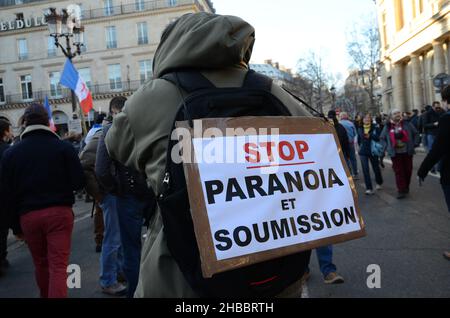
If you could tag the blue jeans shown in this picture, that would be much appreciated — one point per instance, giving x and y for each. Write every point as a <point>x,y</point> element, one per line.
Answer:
<point>131,212</point>
<point>430,142</point>
<point>446,189</point>
<point>111,257</point>
<point>325,258</point>
<point>351,161</point>
<point>374,161</point>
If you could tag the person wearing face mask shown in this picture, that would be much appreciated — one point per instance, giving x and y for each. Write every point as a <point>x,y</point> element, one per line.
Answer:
<point>6,137</point>
<point>440,152</point>
<point>398,136</point>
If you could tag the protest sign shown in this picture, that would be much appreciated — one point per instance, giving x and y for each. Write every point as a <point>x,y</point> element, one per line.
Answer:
<point>266,187</point>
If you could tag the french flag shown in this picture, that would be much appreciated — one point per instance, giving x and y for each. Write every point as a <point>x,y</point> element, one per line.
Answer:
<point>71,79</point>
<point>49,111</point>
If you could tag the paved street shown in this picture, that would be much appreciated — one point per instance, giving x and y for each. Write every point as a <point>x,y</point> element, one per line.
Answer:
<point>405,238</point>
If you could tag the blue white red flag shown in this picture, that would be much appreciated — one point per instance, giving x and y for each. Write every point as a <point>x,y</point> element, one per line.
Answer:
<point>49,111</point>
<point>71,79</point>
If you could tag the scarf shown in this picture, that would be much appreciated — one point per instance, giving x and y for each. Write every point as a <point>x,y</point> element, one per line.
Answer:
<point>367,128</point>
<point>400,129</point>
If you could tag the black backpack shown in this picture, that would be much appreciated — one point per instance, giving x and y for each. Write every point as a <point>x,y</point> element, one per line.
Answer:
<point>204,100</point>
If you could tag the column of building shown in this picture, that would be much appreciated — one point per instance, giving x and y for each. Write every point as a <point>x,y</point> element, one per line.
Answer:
<point>398,84</point>
<point>439,61</point>
<point>417,89</point>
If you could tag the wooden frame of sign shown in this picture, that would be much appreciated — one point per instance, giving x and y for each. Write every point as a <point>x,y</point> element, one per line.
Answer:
<point>286,126</point>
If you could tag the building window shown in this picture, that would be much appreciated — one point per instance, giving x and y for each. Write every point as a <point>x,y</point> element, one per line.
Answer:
<point>384,31</point>
<point>85,74</point>
<point>142,33</point>
<point>27,90</point>
<point>115,77</point>
<point>171,3</point>
<point>2,92</point>
<point>111,41</point>
<point>145,70</point>
<point>399,17</point>
<point>139,5</point>
<point>18,1</point>
<point>389,82</point>
<point>109,9</point>
<point>55,87</point>
<point>23,49</point>
<point>51,47</point>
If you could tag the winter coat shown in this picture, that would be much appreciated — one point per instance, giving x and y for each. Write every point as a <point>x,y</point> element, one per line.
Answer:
<point>87,159</point>
<point>429,121</point>
<point>440,151</point>
<point>218,46</point>
<point>410,145</point>
<point>39,172</point>
<point>365,144</point>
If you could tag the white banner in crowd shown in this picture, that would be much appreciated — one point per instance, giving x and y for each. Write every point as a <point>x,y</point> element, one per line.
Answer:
<point>286,192</point>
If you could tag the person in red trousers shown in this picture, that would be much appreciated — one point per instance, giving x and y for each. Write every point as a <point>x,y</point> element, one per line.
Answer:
<point>38,177</point>
<point>399,137</point>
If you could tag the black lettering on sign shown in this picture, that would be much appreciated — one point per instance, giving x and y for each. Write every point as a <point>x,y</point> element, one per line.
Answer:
<point>350,215</point>
<point>259,238</point>
<point>222,237</point>
<point>234,190</point>
<point>337,217</point>
<point>315,184</point>
<point>213,188</point>
<point>291,181</point>
<point>334,179</point>
<point>248,236</point>
<point>275,185</point>
<point>305,227</point>
<point>280,231</point>
<point>318,224</point>
<point>254,183</point>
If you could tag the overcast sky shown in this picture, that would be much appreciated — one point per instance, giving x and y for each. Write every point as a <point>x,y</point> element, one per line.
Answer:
<point>287,29</point>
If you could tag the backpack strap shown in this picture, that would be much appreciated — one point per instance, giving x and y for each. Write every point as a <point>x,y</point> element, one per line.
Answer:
<point>254,80</point>
<point>191,81</point>
<point>188,81</point>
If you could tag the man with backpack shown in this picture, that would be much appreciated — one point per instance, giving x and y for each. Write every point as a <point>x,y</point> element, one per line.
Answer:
<point>198,52</point>
<point>131,195</point>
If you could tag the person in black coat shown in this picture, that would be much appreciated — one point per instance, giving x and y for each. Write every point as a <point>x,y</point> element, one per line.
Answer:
<point>440,152</point>
<point>368,133</point>
<point>6,136</point>
<point>39,175</point>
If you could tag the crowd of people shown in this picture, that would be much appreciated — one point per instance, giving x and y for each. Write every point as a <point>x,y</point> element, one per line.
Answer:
<point>122,162</point>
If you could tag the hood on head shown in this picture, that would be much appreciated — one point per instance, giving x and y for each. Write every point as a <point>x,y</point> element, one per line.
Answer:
<point>204,41</point>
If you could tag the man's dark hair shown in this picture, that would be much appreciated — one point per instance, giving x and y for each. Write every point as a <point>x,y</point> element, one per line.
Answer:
<point>4,127</point>
<point>100,118</point>
<point>35,114</point>
<point>436,103</point>
<point>446,94</point>
<point>117,103</point>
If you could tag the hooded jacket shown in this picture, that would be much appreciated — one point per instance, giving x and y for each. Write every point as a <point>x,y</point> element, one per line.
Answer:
<point>220,48</point>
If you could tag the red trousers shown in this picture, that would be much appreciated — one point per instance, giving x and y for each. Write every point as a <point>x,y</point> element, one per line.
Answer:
<point>48,235</point>
<point>403,167</point>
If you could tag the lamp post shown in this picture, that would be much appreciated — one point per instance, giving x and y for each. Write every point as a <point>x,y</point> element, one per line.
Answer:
<point>333,96</point>
<point>66,26</point>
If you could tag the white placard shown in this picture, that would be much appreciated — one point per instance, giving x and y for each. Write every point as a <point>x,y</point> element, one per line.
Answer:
<point>272,199</point>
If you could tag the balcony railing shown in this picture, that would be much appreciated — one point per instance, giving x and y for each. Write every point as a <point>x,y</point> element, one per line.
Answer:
<point>64,93</point>
<point>111,44</point>
<point>132,7</point>
<point>23,56</point>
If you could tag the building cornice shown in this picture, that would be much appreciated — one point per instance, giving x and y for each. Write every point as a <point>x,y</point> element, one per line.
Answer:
<point>23,68</point>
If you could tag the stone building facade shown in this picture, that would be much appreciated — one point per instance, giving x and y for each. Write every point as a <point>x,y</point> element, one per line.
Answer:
<point>415,38</point>
<point>121,37</point>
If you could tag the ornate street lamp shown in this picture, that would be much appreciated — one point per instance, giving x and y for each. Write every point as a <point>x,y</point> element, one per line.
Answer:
<point>67,24</point>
